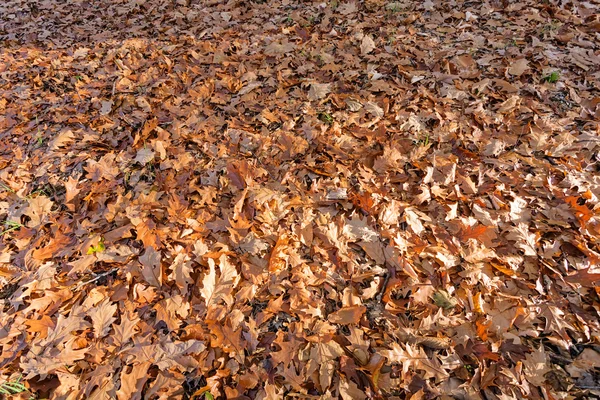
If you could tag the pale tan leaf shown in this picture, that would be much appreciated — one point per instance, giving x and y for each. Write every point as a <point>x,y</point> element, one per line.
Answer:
<point>524,239</point>
<point>125,330</point>
<point>181,270</point>
<point>518,67</point>
<point>106,107</point>
<point>144,156</point>
<point>39,208</point>
<point>318,91</point>
<point>508,105</point>
<point>367,45</point>
<point>350,391</point>
<point>102,317</point>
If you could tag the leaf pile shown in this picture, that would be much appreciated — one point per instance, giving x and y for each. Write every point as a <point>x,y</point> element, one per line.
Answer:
<point>277,199</point>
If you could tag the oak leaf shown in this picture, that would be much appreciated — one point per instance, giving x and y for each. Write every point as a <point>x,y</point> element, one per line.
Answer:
<point>151,266</point>
<point>102,317</point>
<point>133,379</point>
<point>318,91</point>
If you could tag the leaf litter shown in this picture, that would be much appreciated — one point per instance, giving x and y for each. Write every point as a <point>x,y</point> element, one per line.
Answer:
<point>273,199</point>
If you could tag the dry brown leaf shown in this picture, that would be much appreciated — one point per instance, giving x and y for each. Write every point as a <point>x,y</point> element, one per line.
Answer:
<point>151,266</point>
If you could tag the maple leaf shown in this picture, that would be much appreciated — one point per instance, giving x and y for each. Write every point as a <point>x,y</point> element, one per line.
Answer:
<point>556,321</point>
<point>170,310</point>
<point>62,139</point>
<point>584,278</point>
<point>251,244</point>
<point>374,109</point>
<point>81,52</point>
<point>294,378</point>
<point>415,358</point>
<point>485,234</point>
<point>350,391</point>
<point>536,366</point>
<point>347,8</point>
<point>177,354</point>
<point>106,107</point>
<point>289,349</point>
<point>582,213</point>
<point>414,221</point>
<point>277,48</point>
<point>228,339</point>
<point>143,104</point>
<point>63,328</point>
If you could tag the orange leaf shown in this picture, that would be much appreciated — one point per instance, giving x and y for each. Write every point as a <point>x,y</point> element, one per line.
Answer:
<point>482,328</point>
<point>582,213</point>
<point>347,315</point>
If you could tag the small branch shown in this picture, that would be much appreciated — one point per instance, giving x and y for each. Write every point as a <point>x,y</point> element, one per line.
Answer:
<point>102,275</point>
<point>379,296</point>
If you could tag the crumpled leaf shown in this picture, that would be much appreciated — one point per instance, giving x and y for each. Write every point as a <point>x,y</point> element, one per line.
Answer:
<point>367,45</point>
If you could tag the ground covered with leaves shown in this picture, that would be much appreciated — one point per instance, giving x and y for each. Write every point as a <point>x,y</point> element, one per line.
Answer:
<point>279,199</point>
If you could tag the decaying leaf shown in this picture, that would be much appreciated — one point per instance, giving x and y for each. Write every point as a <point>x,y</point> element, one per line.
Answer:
<point>442,299</point>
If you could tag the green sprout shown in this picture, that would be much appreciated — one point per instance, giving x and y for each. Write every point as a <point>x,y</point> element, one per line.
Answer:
<point>12,387</point>
<point>325,117</point>
<point>98,248</point>
<point>394,7</point>
<point>552,78</point>
<point>6,187</point>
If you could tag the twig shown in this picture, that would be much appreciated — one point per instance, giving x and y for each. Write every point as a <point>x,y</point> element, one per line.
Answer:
<point>379,296</point>
<point>102,275</point>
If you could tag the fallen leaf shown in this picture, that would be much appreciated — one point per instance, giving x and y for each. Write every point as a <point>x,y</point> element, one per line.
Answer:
<point>367,45</point>
<point>347,315</point>
<point>151,266</point>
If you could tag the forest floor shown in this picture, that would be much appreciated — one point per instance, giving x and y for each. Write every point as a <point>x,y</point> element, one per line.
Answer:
<point>279,199</point>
